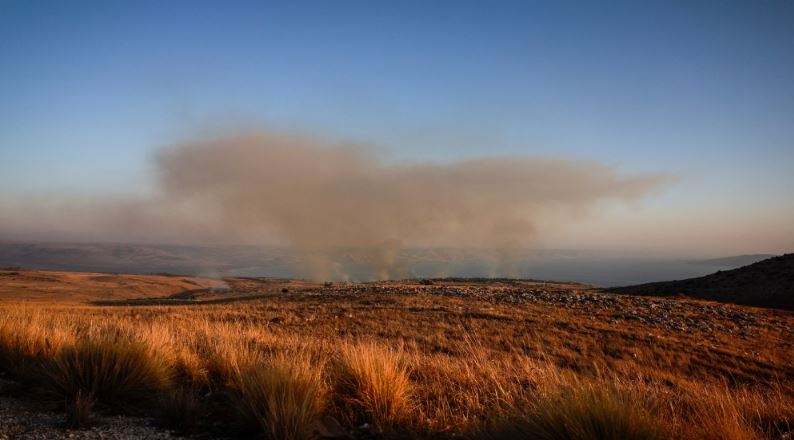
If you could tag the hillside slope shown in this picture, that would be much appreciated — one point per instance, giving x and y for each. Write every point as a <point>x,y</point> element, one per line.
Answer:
<point>40,286</point>
<point>768,283</point>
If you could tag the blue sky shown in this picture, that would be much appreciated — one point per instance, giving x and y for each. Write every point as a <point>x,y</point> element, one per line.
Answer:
<point>700,89</point>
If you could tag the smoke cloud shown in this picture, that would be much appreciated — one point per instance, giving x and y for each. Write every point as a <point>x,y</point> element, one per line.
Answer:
<point>324,199</point>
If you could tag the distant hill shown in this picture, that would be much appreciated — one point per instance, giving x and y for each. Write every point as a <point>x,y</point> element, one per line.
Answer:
<point>590,267</point>
<point>140,259</point>
<point>767,283</point>
<point>733,262</point>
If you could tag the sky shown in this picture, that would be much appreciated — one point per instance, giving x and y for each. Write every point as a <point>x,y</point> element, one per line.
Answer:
<point>702,91</point>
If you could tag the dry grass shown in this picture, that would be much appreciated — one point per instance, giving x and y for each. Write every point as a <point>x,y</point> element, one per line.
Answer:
<point>27,338</point>
<point>372,385</point>
<point>721,412</point>
<point>280,397</point>
<point>180,409</point>
<point>79,411</point>
<point>412,365</point>
<point>110,366</point>
<point>582,413</point>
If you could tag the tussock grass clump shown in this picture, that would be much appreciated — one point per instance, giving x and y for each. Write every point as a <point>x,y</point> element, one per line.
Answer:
<point>586,413</point>
<point>80,411</point>
<point>110,367</point>
<point>718,412</point>
<point>279,398</point>
<point>26,341</point>
<point>372,385</point>
<point>179,408</point>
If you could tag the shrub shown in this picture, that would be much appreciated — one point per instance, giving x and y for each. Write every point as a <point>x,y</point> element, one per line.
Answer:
<point>372,386</point>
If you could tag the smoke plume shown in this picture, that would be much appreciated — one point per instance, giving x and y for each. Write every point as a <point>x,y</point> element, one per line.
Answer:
<point>323,199</point>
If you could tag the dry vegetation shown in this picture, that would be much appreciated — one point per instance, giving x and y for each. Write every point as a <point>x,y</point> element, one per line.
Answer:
<point>411,360</point>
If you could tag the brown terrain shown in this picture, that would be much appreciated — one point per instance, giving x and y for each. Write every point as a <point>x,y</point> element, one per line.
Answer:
<point>767,283</point>
<point>77,287</point>
<point>445,358</point>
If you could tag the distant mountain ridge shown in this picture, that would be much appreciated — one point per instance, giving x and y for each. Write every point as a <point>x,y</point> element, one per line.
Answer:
<point>767,283</point>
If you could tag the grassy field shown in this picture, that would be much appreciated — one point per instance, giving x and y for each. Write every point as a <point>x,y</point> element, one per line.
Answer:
<point>282,359</point>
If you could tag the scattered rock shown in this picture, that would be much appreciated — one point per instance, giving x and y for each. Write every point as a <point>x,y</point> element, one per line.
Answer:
<point>22,420</point>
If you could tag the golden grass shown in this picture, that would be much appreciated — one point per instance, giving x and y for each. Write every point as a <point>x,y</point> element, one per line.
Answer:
<point>722,412</point>
<point>110,366</point>
<point>26,339</point>
<point>406,365</point>
<point>372,385</point>
<point>281,397</point>
<point>582,413</point>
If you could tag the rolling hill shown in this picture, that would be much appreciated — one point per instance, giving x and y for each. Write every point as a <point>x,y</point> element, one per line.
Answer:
<point>767,283</point>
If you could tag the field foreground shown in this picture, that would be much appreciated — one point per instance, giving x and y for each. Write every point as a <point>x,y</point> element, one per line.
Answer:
<point>286,359</point>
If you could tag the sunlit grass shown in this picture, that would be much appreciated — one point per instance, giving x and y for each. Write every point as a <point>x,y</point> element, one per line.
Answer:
<point>279,397</point>
<point>110,366</point>
<point>372,385</point>
<point>187,364</point>
<point>582,413</point>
